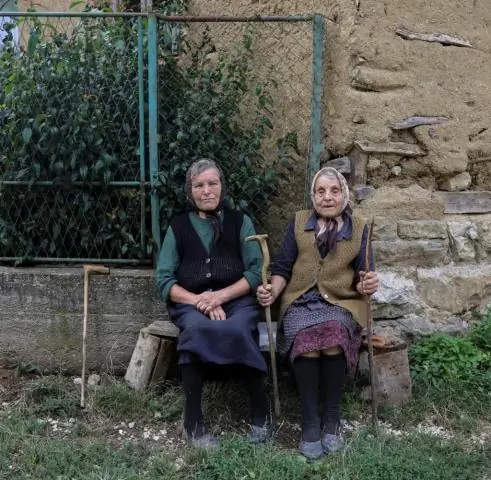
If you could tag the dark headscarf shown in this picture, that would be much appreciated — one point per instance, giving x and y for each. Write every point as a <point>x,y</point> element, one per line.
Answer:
<point>196,168</point>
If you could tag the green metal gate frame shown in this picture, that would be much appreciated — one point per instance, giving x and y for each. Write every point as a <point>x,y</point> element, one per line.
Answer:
<point>149,180</point>
<point>316,144</point>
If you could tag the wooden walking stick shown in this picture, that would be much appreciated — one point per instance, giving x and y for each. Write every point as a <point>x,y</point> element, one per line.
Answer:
<point>272,348</point>
<point>88,270</point>
<point>370,329</point>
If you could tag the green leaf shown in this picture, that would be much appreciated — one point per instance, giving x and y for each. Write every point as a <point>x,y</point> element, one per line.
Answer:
<point>26,134</point>
<point>75,4</point>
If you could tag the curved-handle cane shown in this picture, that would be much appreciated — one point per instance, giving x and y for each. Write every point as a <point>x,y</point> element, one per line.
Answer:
<point>272,350</point>
<point>88,270</point>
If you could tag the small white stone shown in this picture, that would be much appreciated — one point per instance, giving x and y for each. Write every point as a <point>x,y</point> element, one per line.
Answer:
<point>373,163</point>
<point>472,233</point>
<point>131,425</point>
<point>77,381</point>
<point>157,415</point>
<point>93,380</point>
<point>396,170</point>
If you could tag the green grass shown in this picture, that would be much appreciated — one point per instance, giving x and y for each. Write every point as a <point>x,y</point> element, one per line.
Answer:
<point>92,450</point>
<point>26,451</point>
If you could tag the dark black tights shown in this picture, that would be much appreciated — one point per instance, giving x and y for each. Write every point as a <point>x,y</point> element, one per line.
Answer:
<point>333,371</point>
<point>193,379</point>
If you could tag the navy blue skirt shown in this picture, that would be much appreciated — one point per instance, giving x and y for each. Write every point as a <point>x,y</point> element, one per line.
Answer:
<point>223,342</point>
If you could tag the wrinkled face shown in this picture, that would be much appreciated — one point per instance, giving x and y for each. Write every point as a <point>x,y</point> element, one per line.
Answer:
<point>206,189</point>
<point>328,196</point>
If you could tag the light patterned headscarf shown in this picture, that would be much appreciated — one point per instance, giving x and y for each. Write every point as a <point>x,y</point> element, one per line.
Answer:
<point>331,172</point>
<point>326,235</point>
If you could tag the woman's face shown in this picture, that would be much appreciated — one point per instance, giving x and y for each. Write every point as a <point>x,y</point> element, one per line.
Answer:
<point>206,189</point>
<point>328,196</point>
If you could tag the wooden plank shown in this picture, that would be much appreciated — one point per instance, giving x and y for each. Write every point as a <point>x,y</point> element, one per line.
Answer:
<point>164,357</point>
<point>442,38</point>
<point>163,329</point>
<point>416,121</point>
<point>466,202</point>
<point>359,162</point>
<point>397,148</point>
<point>142,360</point>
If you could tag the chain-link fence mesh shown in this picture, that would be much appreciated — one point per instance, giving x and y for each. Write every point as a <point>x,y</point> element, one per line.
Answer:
<point>76,127</point>
<point>239,93</point>
<point>69,155</point>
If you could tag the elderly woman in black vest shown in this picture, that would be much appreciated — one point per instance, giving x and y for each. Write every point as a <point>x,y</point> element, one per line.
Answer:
<point>320,275</point>
<point>207,274</point>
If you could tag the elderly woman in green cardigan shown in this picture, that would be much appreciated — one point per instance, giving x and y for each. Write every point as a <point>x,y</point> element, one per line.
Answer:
<point>207,273</point>
<point>319,276</point>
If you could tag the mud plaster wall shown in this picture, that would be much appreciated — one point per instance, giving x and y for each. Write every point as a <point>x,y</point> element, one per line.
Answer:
<point>374,78</point>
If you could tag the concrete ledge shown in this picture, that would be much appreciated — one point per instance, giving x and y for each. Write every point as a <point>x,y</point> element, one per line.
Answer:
<point>42,313</point>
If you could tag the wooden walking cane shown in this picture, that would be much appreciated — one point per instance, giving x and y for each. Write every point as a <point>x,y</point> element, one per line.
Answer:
<point>88,270</point>
<point>370,329</point>
<point>272,348</point>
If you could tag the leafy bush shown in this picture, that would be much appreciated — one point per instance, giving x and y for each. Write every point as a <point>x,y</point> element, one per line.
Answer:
<point>69,115</point>
<point>460,361</point>
<point>481,332</point>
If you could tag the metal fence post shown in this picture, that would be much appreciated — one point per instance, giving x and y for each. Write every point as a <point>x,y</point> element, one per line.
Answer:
<point>141,105</point>
<point>153,137</point>
<point>316,145</point>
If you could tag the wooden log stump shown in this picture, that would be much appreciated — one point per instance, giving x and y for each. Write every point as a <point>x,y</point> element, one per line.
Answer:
<point>391,371</point>
<point>143,360</point>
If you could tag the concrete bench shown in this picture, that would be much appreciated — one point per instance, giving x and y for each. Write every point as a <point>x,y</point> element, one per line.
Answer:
<point>156,345</point>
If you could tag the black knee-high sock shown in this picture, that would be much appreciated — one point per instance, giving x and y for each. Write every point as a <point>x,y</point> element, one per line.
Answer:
<point>307,375</point>
<point>255,384</point>
<point>192,378</point>
<point>333,372</point>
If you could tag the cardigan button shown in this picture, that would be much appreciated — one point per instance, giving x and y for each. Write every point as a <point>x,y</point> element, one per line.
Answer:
<point>208,275</point>
<point>207,260</point>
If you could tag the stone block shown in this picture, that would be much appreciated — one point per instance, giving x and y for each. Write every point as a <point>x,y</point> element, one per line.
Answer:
<point>462,240</point>
<point>460,182</point>
<point>410,203</point>
<point>426,322</point>
<point>484,238</point>
<point>395,298</point>
<point>426,253</point>
<point>416,229</point>
<point>384,228</point>
<point>455,288</point>
<point>42,313</point>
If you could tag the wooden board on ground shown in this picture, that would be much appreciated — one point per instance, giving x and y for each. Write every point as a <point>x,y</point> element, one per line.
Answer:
<point>466,202</point>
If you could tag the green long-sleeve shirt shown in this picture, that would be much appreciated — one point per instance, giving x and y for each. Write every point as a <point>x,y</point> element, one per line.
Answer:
<point>169,256</point>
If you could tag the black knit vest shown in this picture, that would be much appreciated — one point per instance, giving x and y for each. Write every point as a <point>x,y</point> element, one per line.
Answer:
<point>199,271</point>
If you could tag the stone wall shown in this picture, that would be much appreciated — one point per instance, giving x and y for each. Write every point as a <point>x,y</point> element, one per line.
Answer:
<point>408,118</point>
<point>435,265</point>
<point>41,316</point>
